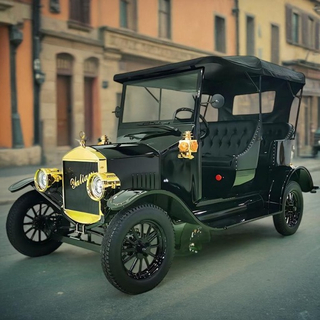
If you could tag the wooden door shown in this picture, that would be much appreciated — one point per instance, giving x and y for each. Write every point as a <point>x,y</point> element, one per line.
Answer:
<point>88,109</point>
<point>63,110</point>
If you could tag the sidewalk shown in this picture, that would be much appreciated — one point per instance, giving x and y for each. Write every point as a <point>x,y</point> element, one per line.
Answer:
<point>8,176</point>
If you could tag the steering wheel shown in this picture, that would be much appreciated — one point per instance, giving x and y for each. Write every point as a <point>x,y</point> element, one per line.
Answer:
<point>205,130</point>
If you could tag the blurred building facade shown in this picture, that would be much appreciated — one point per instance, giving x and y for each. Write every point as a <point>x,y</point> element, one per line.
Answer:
<point>59,58</point>
<point>85,42</point>
<point>287,32</point>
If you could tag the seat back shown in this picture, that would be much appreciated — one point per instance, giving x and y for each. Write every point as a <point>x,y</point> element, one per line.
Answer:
<point>272,132</point>
<point>228,138</point>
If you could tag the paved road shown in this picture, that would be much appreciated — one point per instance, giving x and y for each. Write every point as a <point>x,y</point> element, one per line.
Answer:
<point>249,272</point>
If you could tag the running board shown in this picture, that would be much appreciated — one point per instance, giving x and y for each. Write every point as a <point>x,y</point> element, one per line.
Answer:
<point>224,214</point>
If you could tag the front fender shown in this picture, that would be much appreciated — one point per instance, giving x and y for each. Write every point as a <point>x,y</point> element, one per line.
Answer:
<point>21,184</point>
<point>166,200</point>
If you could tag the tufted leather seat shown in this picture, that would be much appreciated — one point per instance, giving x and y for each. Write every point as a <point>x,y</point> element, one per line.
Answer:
<point>227,141</point>
<point>271,133</point>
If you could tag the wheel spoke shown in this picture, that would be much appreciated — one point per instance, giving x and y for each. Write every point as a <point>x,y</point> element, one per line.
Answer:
<point>27,223</point>
<point>45,211</point>
<point>130,241</point>
<point>135,234</point>
<point>127,259</point>
<point>152,236</point>
<point>126,250</point>
<point>146,261</point>
<point>140,265</point>
<point>141,226</point>
<point>34,233</point>
<point>151,254</point>
<point>29,216</point>
<point>149,229</point>
<point>133,264</point>
<point>34,211</point>
<point>28,230</point>
<point>39,232</point>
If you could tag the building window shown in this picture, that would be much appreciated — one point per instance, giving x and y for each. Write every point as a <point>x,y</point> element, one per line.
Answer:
<point>311,33</point>
<point>164,19</point>
<point>80,11</point>
<point>128,14</point>
<point>250,36</point>
<point>220,34</point>
<point>295,27</point>
<point>275,44</point>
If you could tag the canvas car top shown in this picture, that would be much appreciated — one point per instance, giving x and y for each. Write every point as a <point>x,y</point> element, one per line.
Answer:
<point>240,64</point>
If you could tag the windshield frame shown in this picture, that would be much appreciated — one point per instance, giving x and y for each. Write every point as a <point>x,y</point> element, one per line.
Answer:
<point>198,71</point>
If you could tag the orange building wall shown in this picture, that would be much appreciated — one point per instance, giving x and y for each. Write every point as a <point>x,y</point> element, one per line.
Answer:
<point>5,90</point>
<point>25,84</point>
<point>108,13</point>
<point>147,13</point>
<point>193,23</point>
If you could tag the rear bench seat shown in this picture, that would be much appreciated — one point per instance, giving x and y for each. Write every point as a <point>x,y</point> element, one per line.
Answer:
<point>231,144</point>
<point>271,132</point>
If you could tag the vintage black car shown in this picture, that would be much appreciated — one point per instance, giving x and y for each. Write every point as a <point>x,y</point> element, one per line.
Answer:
<point>205,142</point>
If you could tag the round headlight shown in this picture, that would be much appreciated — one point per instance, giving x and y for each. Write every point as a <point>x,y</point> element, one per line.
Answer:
<point>95,187</point>
<point>41,180</point>
<point>98,183</point>
<point>44,178</point>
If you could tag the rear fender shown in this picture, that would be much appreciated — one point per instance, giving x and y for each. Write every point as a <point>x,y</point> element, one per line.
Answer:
<point>166,200</point>
<point>280,178</point>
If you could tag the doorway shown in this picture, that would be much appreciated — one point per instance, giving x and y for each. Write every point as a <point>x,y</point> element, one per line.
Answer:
<point>63,110</point>
<point>89,109</point>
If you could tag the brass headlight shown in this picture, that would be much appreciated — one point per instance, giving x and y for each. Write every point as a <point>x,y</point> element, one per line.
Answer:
<point>44,178</point>
<point>98,183</point>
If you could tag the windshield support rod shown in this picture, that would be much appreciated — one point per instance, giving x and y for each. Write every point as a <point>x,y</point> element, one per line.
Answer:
<point>296,124</point>
<point>258,90</point>
<point>153,96</point>
<point>290,88</point>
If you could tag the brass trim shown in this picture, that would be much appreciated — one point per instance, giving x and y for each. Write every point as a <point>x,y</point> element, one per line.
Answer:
<point>88,154</point>
<point>187,146</point>
<point>82,217</point>
<point>52,175</point>
<point>109,180</point>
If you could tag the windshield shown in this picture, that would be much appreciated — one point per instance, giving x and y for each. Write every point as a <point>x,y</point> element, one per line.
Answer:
<point>158,99</point>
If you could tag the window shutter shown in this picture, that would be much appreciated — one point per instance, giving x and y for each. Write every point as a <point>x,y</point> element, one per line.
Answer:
<point>304,18</point>
<point>317,41</point>
<point>289,23</point>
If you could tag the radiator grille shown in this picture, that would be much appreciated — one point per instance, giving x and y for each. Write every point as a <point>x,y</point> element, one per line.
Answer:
<point>75,193</point>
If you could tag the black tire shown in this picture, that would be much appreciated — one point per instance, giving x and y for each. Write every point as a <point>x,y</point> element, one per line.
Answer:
<point>288,221</point>
<point>138,248</point>
<point>30,224</point>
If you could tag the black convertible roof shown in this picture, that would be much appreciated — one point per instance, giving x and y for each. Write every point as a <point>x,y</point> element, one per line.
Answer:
<point>224,67</point>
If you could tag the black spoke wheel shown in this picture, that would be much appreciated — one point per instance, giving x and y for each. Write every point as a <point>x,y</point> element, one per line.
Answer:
<point>288,221</point>
<point>138,248</point>
<point>31,223</point>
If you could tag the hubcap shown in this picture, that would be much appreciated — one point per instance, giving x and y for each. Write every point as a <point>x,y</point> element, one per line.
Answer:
<point>143,250</point>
